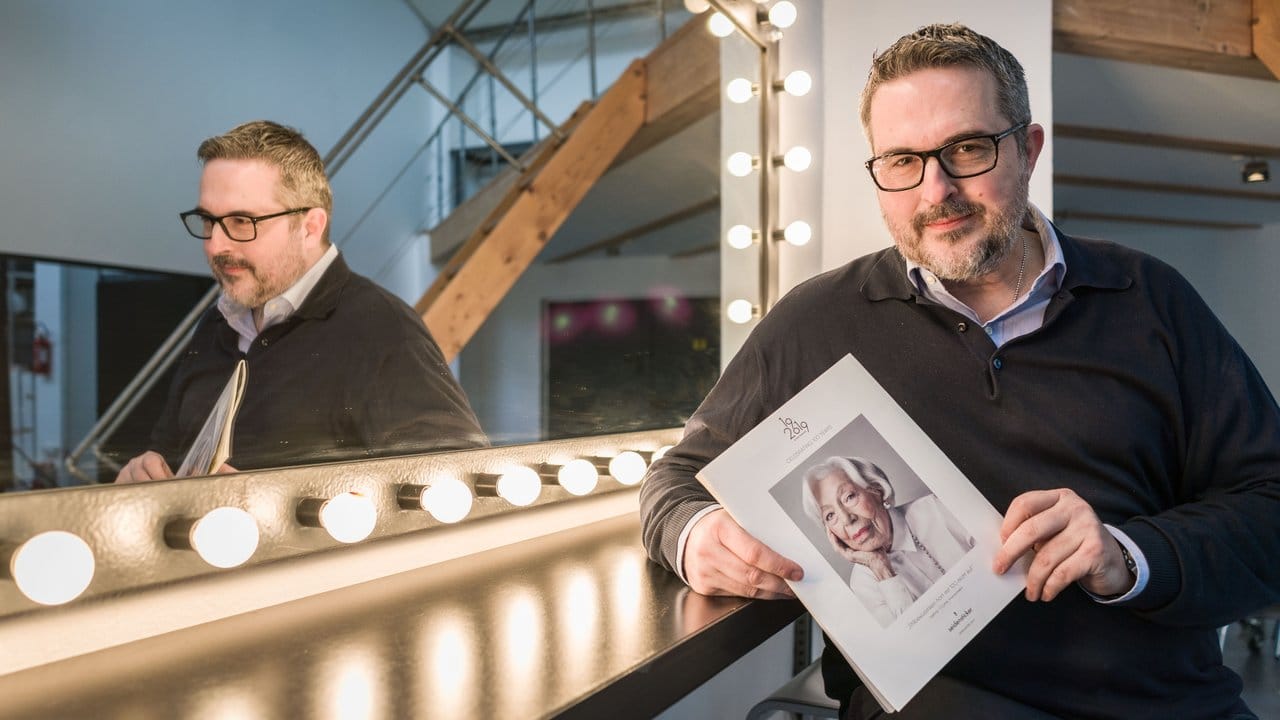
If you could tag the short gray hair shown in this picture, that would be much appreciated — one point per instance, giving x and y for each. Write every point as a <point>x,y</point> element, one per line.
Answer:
<point>951,45</point>
<point>860,471</point>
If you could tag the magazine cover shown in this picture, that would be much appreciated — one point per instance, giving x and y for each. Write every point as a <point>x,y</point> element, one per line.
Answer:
<point>895,542</point>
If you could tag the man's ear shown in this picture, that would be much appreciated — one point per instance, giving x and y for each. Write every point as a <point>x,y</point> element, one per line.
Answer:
<point>1035,143</point>
<point>313,225</point>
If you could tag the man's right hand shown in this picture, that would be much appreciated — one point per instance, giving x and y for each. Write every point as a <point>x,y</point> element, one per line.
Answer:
<point>150,465</point>
<point>720,558</point>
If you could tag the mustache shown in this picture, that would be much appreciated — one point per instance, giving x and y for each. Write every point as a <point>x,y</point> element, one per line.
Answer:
<point>947,210</point>
<point>225,262</point>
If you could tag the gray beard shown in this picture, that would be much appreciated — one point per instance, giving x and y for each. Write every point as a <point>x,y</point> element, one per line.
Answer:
<point>1002,232</point>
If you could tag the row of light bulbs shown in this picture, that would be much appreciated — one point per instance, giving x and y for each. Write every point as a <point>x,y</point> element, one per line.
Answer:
<point>55,567</point>
<point>798,83</point>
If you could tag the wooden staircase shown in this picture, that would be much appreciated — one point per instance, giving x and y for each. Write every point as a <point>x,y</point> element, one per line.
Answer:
<point>508,223</point>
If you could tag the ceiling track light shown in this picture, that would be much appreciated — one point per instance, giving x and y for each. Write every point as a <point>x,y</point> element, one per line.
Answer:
<point>1256,171</point>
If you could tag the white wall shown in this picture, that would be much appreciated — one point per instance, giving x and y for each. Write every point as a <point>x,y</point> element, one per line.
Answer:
<point>852,32</point>
<point>103,105</point>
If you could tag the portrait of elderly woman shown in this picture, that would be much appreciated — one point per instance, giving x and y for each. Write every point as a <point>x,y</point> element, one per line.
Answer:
<point>897,551</point>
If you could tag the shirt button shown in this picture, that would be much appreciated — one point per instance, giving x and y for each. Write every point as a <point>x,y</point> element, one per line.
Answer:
<point>264,342</point>
<point>997,363</point>
<point>962,326</point>
<point>990,330</point>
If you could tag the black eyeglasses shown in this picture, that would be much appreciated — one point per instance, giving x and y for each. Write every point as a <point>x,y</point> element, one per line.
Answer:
<point>963,158</point>
<point>241,228</point>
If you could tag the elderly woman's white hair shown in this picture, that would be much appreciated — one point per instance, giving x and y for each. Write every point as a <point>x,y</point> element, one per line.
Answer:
<point>861,471</point>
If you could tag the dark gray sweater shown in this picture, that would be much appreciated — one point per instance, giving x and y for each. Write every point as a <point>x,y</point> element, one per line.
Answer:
<point>1132,394</point>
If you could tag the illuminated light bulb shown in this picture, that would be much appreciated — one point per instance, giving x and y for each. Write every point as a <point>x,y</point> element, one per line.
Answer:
<point>740,311</point>
<point>660,452</point>
<point>740,164</point>
<point>579,477</point>
<point>798,159</point>
<point>782,15</point>
<point>628,467</point>
<point>52,568</point>
<point>719,25</point>
<point>348,518</point>
<point>520,486</point>
<point>798,83</point>
<point>696,7</point>
<point>798,233</point>
<point>225,537</point>
<point>740,237</point>
<point>739,90</point>
<point>447,499</point>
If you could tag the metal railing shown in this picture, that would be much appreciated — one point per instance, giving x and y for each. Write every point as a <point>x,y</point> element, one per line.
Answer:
<point>452,32</point>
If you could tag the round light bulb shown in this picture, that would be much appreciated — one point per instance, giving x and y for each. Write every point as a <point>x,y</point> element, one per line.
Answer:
<point>225,537</point>
<point>782,14</point>
<point>798,233</point>
<point>798,159</point>
<point>447,499</point>
<point>739,90</point>
<point>719,25</point>
<point>740,237</point>
<point>696,7</point>
<point>740,164</point>
<point>740,311</point>
<point>628,467</point>
<point>660,452</point>
<point>579,477</point>
<point>53,567</point>
<point>519,486</point>
<point>349,517</point>
<point>798,83</point>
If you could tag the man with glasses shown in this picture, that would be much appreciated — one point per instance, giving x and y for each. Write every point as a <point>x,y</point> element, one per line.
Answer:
<point>337,367</point>
<point>1084,388</point>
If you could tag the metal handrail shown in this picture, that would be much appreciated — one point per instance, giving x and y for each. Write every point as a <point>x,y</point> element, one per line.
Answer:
<point>350,141</point>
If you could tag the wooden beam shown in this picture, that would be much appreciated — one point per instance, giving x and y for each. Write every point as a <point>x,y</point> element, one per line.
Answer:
<point>1169,188</point>
<point>707,205</point>
<point>1266,34</point>
<point>464,294</point>
<point>1172,142</point>
<point>1064,216</point>
<point>1217,37</point>
<point>684,86</point>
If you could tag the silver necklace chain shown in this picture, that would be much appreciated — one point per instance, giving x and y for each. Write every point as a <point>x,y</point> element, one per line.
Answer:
<point>1022,269</point>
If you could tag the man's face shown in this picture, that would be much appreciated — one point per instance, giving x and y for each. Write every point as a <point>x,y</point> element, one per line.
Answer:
<point>251,273</point>
<point>959,229</point>
<point>855,515</point>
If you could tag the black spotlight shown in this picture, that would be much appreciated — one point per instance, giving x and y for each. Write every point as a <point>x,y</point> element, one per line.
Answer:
<point>1256,171</point>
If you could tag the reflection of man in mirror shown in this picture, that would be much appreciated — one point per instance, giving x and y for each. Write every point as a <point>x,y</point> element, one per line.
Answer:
<point>897,551</point>
<point>1084,388</point>
<point>338,368</point>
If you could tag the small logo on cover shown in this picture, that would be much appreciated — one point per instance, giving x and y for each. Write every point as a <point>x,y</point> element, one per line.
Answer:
<point>793,428</point>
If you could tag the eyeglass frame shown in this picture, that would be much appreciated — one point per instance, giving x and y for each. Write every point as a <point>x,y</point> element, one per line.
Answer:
<point>936,153</point>
<point>255,219</point>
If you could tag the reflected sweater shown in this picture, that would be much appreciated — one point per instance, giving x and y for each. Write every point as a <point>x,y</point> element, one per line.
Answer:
<point>352,374</point>
<point>1131,393</point>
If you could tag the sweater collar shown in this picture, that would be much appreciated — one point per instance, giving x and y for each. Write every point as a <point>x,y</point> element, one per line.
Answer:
<point>324,297</point>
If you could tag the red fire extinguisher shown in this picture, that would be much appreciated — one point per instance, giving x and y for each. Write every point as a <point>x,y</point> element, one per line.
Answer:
<point>42,354</point>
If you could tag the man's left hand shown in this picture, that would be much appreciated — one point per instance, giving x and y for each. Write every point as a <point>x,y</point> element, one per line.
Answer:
<point>1068,542</point>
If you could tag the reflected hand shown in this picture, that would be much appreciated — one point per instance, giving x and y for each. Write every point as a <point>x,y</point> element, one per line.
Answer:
<point>877,561</point>
<point>150,465</point>
<point>226,469</point>
<point>720,558</point>
<point>1069,544</point>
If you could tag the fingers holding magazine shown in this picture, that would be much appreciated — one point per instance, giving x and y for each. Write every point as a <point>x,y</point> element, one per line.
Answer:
<point>720,558</point>
<point>1069,543</point>
<point>150,465</point>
